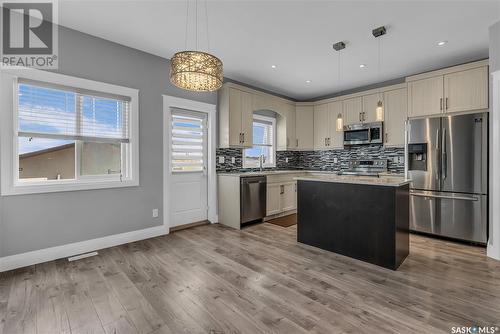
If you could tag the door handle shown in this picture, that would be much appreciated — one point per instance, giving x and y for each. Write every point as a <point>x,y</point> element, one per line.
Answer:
<point>282,189</point>
<point>243,137</point>
<point>438,155</point>
<point>441,104</point>
<point>297,142</point>
<point>444,162</point>
<point>329,141</point>
<point>462,198</point>
<point>360,117</point>
<point>446,104</point>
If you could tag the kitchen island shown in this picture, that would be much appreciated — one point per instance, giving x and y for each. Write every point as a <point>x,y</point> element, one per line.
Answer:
<point>366,218</point>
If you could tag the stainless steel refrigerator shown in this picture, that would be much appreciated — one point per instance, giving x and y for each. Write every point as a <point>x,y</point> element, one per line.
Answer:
<point>447,160</point>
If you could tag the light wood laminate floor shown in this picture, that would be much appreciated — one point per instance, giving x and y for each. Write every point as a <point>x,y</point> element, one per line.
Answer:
<point>212,279</point>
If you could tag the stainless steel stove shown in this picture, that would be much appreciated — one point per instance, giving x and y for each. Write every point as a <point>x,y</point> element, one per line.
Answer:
<point>366,167</point>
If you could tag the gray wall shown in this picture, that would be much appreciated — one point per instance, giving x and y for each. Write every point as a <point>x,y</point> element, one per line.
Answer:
<point>31,222</point>
<point>495,47</point>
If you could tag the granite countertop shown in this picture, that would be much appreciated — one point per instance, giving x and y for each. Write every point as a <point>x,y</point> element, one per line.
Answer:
<point>294,171</point>
<point>389,181</point>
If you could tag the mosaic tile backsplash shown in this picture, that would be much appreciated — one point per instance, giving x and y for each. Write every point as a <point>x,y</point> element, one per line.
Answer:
<point>317,160</point>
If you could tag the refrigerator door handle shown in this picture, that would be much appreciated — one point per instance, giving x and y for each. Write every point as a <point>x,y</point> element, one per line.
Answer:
<point>463,198</point>
<point>444,161</point>
<point>438,155</point>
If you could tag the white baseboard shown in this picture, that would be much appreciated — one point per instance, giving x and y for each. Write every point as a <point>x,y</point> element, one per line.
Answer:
<point>58,252</point>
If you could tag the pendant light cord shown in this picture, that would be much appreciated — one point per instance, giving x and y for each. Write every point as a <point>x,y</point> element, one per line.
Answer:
<point>196,23</point>
<point>187,23</point>
<point>206,21</point>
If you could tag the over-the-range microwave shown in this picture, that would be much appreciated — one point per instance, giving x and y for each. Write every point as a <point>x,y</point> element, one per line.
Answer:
<point>363,133</point>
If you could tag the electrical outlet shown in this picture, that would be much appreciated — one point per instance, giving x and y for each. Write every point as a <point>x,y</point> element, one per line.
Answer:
<point>395,159</point>
<point>155,213</point>
<point>335,160</point>
<point>401,160</point>
<point>286,160</point>
<point>233,160</point>
<point>222,160</point>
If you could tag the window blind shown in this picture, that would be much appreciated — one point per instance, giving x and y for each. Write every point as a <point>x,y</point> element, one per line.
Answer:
<point>187,143</point>
<point>263,134</point>
<point>63,113</point>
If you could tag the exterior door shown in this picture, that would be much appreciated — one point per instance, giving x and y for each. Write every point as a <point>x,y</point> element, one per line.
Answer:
<point>188,167</point>
<point>464,151</point>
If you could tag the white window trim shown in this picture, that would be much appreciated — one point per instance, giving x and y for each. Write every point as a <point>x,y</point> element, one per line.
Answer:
<point>8,138</point>
<point>273,121</point>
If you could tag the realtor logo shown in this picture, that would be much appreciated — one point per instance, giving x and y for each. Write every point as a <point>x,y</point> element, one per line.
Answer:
<point>29,34</point>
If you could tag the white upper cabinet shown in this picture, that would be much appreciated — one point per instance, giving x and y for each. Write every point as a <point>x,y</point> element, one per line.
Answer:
<point>395,115</point>
<point>286,126</point>
<point>235,118</point>
<point>321,126</point>
<point>425,97</point>
<point>457,89</point>
<point>336,138</point>
<point>246,119</point>
<point>325,124</point>
<point>236,106</point>
<point>353,110</point>
<point>370,103</point>
<point>466,90</point>
<point>304,127</point>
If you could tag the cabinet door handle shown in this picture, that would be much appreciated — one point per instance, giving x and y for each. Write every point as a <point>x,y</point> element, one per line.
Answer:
<point>240,137</point>
<point>282,189</point>
<point>325,141</point>
<point>243,140</point>
<point>386,137</point>
<point>329,141</point>
<point>441,104</point>
<point>360,117</point>
<point>446,104</point>
<point>297,142</point>
<point>364,116</point>
<point>287,142</point>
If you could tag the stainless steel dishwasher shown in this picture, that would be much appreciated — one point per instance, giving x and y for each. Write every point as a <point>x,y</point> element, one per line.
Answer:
<point>253,191</point>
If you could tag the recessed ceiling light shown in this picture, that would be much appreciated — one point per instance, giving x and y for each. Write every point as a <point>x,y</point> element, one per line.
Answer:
<point>273,66</point>
<point>362,66</point>
<point>441,43</point>
<point>308,81</point>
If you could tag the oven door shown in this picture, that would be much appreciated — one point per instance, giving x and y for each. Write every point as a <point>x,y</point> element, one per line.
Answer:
<point>356,137</point>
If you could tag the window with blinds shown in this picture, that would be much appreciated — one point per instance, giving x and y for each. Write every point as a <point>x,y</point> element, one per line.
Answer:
<point>263,150</point>
<point>188,142</point>
<point>69,133</point>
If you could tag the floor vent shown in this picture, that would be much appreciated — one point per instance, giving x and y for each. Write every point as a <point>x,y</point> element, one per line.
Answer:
<point>82,256</point>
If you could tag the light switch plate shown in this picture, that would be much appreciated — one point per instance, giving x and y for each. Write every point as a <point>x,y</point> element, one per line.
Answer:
<point>233,160</point>
<point>335,160</point>
<point>286,160</point>
<point>155,213</point>
<point>221,160</point>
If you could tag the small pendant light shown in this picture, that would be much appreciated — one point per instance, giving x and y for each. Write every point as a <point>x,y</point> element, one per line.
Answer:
<point>379,111</point>
<point>340,120</point>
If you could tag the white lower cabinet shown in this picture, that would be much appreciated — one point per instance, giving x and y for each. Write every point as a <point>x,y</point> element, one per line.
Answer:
<point>273,202</point>
<point>281,197</point>
<point>288,197</point>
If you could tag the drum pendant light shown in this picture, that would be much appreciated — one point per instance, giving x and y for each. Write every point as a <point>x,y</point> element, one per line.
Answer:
<point>196,70</point>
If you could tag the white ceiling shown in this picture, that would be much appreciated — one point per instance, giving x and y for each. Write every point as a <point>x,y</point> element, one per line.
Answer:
<point>297,36</point>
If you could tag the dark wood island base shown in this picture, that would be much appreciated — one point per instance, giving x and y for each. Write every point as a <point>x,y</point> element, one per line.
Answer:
<point>362,221</point>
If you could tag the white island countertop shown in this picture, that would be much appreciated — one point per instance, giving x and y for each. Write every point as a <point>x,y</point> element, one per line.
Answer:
<point>388,181</point>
